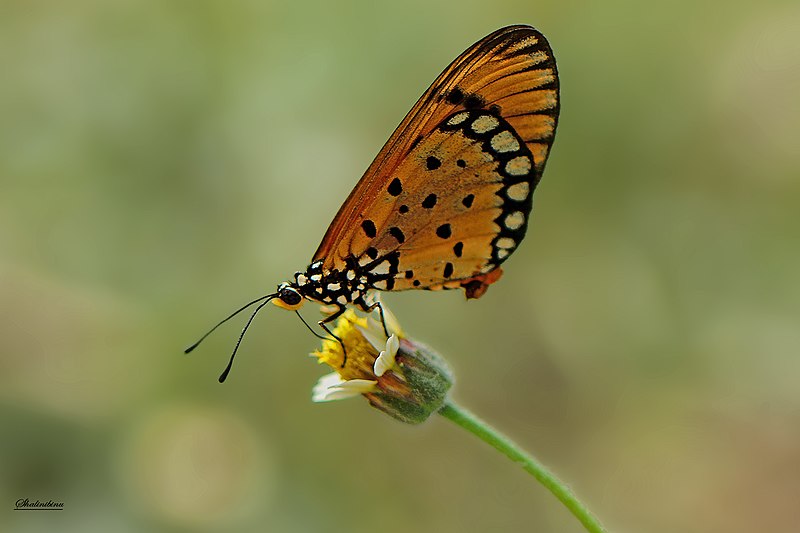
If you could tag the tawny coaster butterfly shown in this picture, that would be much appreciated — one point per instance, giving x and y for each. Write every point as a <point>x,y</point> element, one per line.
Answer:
<point>447,199</point>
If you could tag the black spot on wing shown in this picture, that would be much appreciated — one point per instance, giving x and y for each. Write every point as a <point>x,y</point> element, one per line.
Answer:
<point>369,228</point>
<point>395,187</point>
<point>432,163</point>
<point>468,199</point>
<point>448,270</point>
<point>397,234</point>
<point>429,201</point>
<point>474,101</point>
<point>458,249</point>
<point>444,231</point>
<point>456,96</point>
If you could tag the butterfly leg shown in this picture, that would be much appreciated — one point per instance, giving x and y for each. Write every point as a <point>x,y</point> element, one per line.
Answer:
<point>370,308</point>
<point>368,303</point>
<point>331,318</point>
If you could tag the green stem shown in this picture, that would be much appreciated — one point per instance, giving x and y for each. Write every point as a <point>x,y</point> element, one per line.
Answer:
<point>491,436</point>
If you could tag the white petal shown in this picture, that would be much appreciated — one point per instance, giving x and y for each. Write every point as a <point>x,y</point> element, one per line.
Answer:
<point>333,387</point>
<point>382,365</point>
<point>335,394</point>
<point>359,386</point>
<point>352,388</point>
<point>320,391</point>
<point>393,344</point>
<point>386,359</point>
<point>374,335</point>
<point>374,332</point>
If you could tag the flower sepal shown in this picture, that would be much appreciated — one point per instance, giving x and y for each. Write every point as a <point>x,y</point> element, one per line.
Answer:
<point>417,388</point>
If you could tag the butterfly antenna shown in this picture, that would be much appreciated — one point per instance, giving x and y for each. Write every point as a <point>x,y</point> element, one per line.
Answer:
<point>225,372</point>
<point>209,332</point>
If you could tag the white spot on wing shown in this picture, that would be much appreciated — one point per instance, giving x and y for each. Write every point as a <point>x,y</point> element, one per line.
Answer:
<point>515,220</point>
<point>455,120</point>
<point>519,166</point>
<point>535,57</point>
<point>527,41</point>
<point>502,254</point>
<point>519,191</point>
<point>505,242</point>
<point>380,284</point>
<point>484,123</point>
<point>351,275</point>
<point>316,277</point>
<point>334,286</point>
<point>504,142</point>
<point>381,268</point>
<point>342,299</point>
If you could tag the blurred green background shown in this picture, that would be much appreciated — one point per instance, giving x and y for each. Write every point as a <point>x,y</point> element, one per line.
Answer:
<point>164,162</point>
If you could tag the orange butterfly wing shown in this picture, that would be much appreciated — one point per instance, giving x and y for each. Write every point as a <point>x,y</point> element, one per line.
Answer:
<point>451,189</point>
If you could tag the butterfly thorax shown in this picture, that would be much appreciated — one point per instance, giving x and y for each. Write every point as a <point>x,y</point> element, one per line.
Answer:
<point>350,285</point>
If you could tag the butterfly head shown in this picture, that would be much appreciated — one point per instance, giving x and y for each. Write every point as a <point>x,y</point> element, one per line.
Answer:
<point>288,297</point>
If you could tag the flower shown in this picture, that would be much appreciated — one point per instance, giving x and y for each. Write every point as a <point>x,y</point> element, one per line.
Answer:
<point>397,375</point>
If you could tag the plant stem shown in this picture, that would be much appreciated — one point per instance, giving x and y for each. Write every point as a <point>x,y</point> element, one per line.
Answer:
<point>491,436</point>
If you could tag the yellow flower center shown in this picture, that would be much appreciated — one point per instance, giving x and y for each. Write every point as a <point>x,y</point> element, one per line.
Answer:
<point>361,354</point>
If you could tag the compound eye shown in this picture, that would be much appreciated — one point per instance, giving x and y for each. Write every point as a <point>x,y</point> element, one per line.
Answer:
<point>290,297</point>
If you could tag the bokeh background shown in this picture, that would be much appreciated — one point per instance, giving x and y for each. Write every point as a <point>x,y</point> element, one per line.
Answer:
<point>164,162</point>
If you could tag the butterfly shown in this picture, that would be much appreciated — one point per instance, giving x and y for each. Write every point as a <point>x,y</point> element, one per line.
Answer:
<point>448,198</point>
